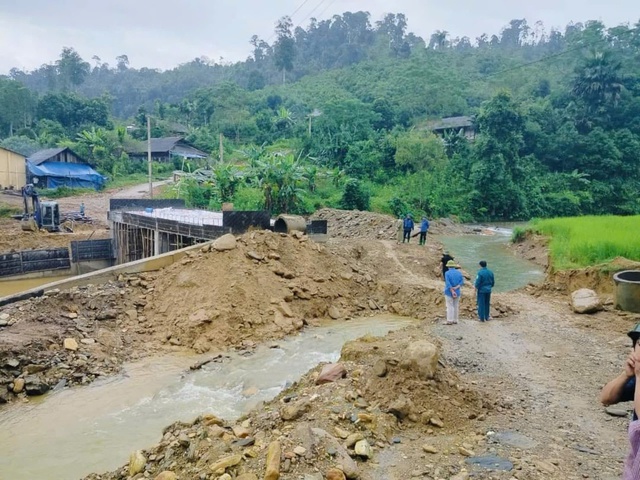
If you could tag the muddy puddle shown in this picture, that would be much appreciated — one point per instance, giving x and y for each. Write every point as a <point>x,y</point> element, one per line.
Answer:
<point>9,287</point>
<point>71,433</point>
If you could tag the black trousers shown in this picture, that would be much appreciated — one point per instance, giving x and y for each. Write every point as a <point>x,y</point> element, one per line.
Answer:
<point>423,238</point>
<point>407,235</point>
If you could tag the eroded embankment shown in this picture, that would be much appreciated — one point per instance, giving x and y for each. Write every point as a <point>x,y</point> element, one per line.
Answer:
<point>264,286</point>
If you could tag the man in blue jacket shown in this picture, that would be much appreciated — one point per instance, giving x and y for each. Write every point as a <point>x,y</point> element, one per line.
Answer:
<point>408,227</point>
<point>483,285</point>
<point>453,280</point>
<point>424,227</point>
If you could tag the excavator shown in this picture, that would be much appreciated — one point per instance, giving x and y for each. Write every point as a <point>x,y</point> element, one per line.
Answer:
<point>43,215</point>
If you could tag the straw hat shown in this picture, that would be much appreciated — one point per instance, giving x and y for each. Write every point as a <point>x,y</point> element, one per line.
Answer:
<point>452,264</point>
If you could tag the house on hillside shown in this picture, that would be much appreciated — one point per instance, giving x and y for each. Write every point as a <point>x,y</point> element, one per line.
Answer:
<point>57,167</point>
<point>453,125</point>
<point>13,174</point>
<point>165,150</point>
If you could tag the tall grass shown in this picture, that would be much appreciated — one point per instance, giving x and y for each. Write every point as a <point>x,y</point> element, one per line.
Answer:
<point>578,242</point>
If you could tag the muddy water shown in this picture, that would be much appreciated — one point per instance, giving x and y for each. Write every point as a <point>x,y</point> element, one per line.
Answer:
<point>74,432</point>
<point>10,287</point>
<point>511,272</point>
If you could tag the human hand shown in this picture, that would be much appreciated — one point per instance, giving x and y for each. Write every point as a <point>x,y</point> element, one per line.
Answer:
<point>454,294</point>
<point>635,359</point>
<point>630,365</point>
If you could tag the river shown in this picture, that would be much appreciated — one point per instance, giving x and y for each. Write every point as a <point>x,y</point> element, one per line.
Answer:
<point>511,272</point>
<point>74,432</point>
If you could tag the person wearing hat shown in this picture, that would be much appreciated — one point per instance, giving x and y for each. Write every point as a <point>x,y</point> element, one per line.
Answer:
<point>408,227</point>
<point>623,387</point>
<point>453,280</point>
<point>483,285</point>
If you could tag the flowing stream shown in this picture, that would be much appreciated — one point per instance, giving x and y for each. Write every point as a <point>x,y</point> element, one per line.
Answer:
<point>74,432</point>
<point>511,272</point>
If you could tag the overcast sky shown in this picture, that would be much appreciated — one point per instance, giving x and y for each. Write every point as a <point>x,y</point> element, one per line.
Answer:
<point>165,33</point>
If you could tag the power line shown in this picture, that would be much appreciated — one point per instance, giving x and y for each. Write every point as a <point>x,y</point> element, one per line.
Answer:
<point>296,11</point>
<point>326,8</point>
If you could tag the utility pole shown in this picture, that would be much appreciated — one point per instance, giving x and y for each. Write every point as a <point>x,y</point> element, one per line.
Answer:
<point>221,148</point>
<point>149,156</point>
<point>309,126</point>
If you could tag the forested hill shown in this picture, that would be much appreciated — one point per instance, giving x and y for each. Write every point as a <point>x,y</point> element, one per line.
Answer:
<point>557,113</point>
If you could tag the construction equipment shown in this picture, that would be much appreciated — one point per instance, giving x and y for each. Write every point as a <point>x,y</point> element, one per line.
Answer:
<point>44,215</point>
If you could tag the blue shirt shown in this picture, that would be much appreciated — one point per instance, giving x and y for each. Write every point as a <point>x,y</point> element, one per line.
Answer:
<point>453,279</point>
<point>424,226</point>
<point>484,280</point>
<point>408,224</point>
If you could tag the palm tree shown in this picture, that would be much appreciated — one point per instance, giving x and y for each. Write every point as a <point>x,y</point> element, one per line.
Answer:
<point>598,82</point>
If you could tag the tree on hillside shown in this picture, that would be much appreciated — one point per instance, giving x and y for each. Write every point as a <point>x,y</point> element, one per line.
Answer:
<point>72,69</point>
<point>496,170</point>
<point>284,50</point>
<point>598,82</point>
<point>281,178</point>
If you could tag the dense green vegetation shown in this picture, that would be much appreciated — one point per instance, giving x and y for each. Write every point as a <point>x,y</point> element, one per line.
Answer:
<point>338,114</point>
<point>584,241</point>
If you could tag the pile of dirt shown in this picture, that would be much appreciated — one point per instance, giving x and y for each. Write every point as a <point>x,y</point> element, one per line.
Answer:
<point>385,392</point>
<point>376,226</point>
<point>598,278</point>
<point>534,248</point>
<point>65,338</point>
<point>268,286</point>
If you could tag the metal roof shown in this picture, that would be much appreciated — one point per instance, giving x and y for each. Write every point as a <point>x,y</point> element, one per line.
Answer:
<point>450,122</point>
<point>46,154</point>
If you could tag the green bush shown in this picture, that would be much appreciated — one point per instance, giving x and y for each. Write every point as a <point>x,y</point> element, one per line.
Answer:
<point>64,191</point>
<point>355,196</point>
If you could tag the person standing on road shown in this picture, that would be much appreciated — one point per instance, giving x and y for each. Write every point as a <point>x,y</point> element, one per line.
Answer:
<point>623,387</point>
<point>446,258</point>
<point>408,227</point>
<point>483,285</point>
<point>453,280</point>
<point>399,230</point>
<point>424,228</point>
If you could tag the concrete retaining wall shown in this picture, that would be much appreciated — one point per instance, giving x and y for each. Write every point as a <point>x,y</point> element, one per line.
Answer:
<point>107,274</point>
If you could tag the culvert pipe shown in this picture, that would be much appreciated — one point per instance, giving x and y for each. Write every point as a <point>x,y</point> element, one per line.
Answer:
<point>628,290</point>
<point>289,224</point>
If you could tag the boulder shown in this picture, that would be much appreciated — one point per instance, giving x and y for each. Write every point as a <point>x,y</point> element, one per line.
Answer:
<point>339,453</point>
<point>335,474</point>
<point>401,407</point>
<point>334,312</point>
<point>585,301</point>
<point>295,410</point>
<point>70,344</point>
<point>166,475</point>
<point>137,462</point>
<point>422,358</point>
<point>272,467</point>
<point>221,465</point>
<point>363,449</point>
<point>18,385</point>
<point>330,373</point>
<point>34,385</point>
<point>225,242</point>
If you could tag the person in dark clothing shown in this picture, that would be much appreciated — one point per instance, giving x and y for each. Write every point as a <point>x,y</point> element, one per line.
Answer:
<point>408,227</point>
<point>623,387</point>
<point>444,260</point>
<point>424,228</point>
<point>483,285</point>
